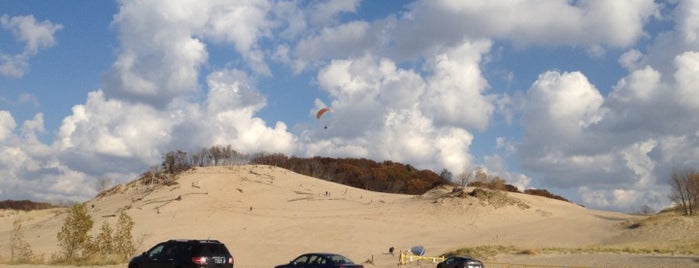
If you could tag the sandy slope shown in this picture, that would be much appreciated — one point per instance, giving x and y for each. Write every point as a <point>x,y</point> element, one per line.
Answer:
<point>267,216</point>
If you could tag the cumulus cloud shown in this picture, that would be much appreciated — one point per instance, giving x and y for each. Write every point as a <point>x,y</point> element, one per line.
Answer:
<point>325,12</point>
<point>386,112</point>
<point>339,41</point>
<point>618,145</point>
<point>559,107</point>
<point>35,36</point>
<point>167,66</point>
<point>152,102</point>
<point>176,34</point>
<point>455,94</point>
<point>229,113</point>
<point>545,23</point>
<point>31,168</point>
<point>686,79</point>
<point>688,21</point>
<point>7,125</point>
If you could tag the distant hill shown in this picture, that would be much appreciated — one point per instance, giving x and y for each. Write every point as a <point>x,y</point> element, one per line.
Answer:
<point>24,205</point>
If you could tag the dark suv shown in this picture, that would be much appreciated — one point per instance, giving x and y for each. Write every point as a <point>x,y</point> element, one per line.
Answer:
<point>185,254</point>
<point>460,262</point>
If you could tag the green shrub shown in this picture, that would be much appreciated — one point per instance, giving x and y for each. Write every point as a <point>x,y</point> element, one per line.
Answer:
<point>103,243</point>
<point>73,239</point>
<point>124,245</point>
<point>20,250</point>
<point>110,246</point>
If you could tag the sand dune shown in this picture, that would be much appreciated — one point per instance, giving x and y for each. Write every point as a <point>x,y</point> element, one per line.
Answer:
<point>267,216</point>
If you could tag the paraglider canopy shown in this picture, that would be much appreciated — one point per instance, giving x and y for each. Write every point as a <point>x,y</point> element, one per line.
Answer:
<point>321,112</point>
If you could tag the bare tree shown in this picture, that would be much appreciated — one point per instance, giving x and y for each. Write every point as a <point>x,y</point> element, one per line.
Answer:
<point>219,153</point>
<point>685,190</point>
<point>198,159</point>
<point>471,174</point>
<point>175,162</point>
<point>446,174</point>
<point>480,174</point>
<point>102,184</point>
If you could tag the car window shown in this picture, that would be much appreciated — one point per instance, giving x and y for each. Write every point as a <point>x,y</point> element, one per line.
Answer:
<point>316,259</point>
<point>300,260</point>
<point>156,251</point>
<point>170,250</point>
<point>187,249</point>
<point>213,250</point>
<point>339,259</point>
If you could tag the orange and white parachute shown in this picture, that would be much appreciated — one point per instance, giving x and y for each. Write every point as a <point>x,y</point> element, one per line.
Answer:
<point>321,112</point>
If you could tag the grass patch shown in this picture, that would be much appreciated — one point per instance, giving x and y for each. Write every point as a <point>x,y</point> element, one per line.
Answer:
<point>483,252</point>
<point>490,251</point>
<point>496,198</point>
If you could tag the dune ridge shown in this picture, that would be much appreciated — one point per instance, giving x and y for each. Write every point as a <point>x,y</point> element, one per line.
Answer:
<point>268,215</point>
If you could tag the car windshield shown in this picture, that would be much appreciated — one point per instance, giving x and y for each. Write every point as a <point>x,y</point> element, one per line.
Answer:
<point>157,250</point>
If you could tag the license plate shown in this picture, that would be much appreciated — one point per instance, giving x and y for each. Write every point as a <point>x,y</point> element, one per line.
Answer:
<point>219,260</point>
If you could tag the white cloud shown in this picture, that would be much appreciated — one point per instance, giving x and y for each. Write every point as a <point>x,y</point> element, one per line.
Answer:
<point>325,12</point>
<point>688,20</point>
<point>559,106</point>
<point>13,65</point>
<point>338,42</point>
<point>624,198</point>
<point>380,111</point>
<point>229,116</point>
<point>623,146</point>
<point>687,77</point>
<point>7,125</point>
<point>30,169</point>
<point>455,88</point>
<point>175,34</point>
<point>631,59</point>
<point>545,23</point>
<point>241,23</point>
<point>35,36</point>
<point>641,86</point>
<point>114,128</point>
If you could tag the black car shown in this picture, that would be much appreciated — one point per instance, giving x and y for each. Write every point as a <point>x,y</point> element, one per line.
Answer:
<point>460,262</point>
<point>185,254</point>
<point>320,260</point>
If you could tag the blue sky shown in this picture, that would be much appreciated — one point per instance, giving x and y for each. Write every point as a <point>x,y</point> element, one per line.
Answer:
<point>592,100</point>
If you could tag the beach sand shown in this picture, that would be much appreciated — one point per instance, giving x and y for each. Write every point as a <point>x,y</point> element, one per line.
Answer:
<point>267,216</point>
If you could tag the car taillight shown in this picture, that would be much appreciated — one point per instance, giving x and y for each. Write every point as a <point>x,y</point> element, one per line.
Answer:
<point>231,260</point>
<point>199,260</point>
